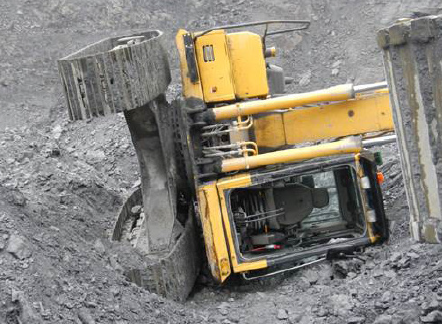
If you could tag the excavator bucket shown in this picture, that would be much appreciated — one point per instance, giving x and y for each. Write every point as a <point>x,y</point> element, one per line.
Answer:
<point>130,74</point>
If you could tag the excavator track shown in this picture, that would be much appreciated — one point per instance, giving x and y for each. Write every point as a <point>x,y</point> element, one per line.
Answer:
<point>171,275</point>
<point>112,76</point>
<point>130,74</point>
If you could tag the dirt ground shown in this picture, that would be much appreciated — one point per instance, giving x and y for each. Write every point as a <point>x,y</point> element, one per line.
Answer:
<point>61,183</point>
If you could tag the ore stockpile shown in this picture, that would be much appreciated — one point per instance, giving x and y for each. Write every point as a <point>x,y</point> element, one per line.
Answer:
<point>63,183</point>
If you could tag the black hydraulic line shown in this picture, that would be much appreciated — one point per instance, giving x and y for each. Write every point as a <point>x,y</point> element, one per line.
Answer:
<point>285,31</point>
<point>257,23</point>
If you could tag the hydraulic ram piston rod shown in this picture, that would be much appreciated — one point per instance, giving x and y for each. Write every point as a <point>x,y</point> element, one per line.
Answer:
<point>348,145</point>
<point>336,93</point>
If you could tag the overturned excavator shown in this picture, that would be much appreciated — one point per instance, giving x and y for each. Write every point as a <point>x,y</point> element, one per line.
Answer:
<point>262,181</point>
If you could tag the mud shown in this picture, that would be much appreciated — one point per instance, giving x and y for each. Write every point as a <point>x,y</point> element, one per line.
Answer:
<point>62,183</point>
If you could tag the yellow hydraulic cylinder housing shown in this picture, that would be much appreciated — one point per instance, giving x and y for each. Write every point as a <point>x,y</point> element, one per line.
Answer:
<point>230,67</point>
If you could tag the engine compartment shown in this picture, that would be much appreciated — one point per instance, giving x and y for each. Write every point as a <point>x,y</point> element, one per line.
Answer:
<point>298,211</point>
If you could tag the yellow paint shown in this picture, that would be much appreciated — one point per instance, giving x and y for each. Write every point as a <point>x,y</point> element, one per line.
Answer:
<point>365,114</point>
<point>230,66</point>
<point>190,90</point>
<point>214,238</point>
<point>248,65</point>
<point>347,145</point>
<point>269,131</point>
<point>217,228</point>
<point>336,93</point>
<point>360,173</point>
<point>214,67</point>
<point>239,181</point>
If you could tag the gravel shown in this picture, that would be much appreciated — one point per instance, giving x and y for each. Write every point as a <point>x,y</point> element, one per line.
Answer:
<point>62,183</point>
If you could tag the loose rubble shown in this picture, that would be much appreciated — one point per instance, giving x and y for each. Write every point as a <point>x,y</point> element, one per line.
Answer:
<point>61,183</point>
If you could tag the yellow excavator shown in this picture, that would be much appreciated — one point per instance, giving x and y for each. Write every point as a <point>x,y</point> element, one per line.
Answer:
<point>263,181</point>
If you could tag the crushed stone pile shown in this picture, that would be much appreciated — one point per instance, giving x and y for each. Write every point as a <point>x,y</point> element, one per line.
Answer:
<point>62,183</point>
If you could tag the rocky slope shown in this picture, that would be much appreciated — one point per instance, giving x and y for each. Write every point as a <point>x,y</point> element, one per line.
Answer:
<point>61,183</point>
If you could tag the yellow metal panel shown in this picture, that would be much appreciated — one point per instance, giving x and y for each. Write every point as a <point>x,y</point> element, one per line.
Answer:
<point>236,181</point>
<point>214,238</point>
<point>242,180</point>
<point>369,113</point>
<point>269,131</point>
<point>190,90</point>
<point>214,67</point>
<point>248,65</point>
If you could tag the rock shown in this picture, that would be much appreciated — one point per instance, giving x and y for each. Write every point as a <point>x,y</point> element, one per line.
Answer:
<point>379,305</point>
<point>295,318</point>
<point>383,319</point>
<point>336,64</point>
<point>340,268</point>
<point>115,290</point>
<point>97,156</point>
<point>335,72</point>
<point>370,265</point>
<point>356,320</point>
<point>386,297</point>
<point>137,184</point>
<point>433,317</point>
<point>404,262</point>
<point>223,308</point>
<point>413,255</point>
<point>55,152</point>
<point>115,264</point>
<point>24,311</point>
<point>428,307</point>
<point>395,257</point>
<point>305,78</point>
<point>85,317</point>
<point>322,312</point>
<point>377,273</point>
<point>17,198</point>
<point>223,311</point>
<point>136,210</point>
<point>351,275</point>
<point>342,304</point>
<point>282,314</point>
<point>390,274</point>
<point>311,276</point>
<point>99,246</point>
<point>406,316</point>
<point>18,247</point>
<point>56,132</point>
<point>3,240</point>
